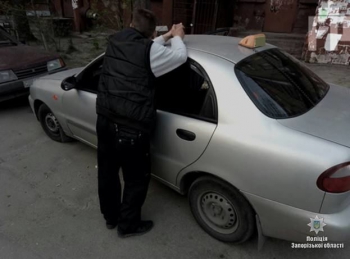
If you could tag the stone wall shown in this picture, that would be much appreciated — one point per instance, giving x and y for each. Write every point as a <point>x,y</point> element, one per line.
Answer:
<point>328,40</point>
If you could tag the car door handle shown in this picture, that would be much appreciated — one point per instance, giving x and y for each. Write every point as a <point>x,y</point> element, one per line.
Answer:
<point>186,135</point>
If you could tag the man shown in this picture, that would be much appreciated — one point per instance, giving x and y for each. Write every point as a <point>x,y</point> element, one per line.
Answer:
<point>126,117</point>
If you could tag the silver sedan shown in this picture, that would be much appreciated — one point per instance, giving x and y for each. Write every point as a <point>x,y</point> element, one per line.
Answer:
<point>250,135</point>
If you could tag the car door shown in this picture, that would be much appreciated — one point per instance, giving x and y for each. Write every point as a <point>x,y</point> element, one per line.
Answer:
<point>79,104</point>
<point>186,120</point>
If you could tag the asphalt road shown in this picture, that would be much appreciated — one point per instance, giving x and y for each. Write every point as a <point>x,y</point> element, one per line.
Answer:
<point>49,207</point>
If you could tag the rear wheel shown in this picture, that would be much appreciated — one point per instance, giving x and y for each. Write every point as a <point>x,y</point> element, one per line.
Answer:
<point>51,125</point>
<point>221,210</point>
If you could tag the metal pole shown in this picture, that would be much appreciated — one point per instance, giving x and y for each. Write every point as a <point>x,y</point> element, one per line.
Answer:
<point>193,16</point>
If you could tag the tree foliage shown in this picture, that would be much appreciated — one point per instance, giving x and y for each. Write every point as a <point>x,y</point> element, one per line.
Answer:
<point>116,14</point>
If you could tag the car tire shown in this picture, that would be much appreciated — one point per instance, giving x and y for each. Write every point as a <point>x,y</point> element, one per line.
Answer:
<point>221,210</point>
<point>51,125</point>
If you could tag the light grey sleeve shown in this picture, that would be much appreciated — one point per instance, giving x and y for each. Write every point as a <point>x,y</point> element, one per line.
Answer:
<point>164,59</point>
<point>160,40</point>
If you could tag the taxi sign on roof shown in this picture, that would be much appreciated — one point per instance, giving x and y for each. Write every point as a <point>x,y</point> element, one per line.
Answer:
<point>253,41</point>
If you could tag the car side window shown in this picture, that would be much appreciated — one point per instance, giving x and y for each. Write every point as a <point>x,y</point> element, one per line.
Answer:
<point>89,79</point>
<point>187,91</point>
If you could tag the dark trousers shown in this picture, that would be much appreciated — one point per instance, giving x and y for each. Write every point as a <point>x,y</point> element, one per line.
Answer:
<point>121,147</point>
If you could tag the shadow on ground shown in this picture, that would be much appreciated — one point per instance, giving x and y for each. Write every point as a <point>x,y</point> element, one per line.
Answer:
<point>14,103</point>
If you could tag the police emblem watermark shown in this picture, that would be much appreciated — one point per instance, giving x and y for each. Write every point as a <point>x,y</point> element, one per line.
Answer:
<point>317,225</point>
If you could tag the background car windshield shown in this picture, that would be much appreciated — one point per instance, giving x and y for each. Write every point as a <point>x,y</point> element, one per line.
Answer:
<point>278,85</point>
<point>4,40</point>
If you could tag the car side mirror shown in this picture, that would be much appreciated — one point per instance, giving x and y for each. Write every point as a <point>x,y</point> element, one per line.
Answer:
<point>69,83</point>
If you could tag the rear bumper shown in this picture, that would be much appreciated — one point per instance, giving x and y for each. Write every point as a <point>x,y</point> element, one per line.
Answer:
<point>290,223</point>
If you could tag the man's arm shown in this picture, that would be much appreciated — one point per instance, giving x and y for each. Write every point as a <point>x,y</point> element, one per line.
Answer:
<point>164,59</point>
<point>167,36</point>
<point>160,40</point>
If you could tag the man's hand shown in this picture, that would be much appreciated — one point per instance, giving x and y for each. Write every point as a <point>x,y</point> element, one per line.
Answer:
<point>169,34</point>
<point>178,30</point>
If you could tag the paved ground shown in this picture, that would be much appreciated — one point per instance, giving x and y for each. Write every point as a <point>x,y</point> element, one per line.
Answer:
<point>336,74</point>
<point>49,207</point>
<point>49,204</point>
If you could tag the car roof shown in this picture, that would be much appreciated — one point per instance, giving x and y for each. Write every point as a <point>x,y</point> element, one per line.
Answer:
<point>226,47</point>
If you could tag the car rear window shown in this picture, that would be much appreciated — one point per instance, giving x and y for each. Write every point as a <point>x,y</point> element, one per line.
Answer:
<point>279,85</point>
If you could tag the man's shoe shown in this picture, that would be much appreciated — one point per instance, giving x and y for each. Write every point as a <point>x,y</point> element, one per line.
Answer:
<point>111,225</point>
<point>143,228</point>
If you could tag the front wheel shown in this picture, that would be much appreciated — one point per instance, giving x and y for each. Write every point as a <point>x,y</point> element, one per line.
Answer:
<point>51,125</point>
<point>221,210</point>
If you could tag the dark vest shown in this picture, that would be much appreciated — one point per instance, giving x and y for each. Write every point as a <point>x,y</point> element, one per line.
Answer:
<point>126,88</point>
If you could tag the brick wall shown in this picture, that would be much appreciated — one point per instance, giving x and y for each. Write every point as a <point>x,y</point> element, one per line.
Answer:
<point>250,14</point>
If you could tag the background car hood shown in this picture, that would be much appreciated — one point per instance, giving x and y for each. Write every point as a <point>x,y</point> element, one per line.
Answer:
<point>330,119</point>
<point>62,75</point>
<point>23,56</point>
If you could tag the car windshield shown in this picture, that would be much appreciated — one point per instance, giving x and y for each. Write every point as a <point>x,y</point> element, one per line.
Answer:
<point>279,85</point>
<point>4,40</point>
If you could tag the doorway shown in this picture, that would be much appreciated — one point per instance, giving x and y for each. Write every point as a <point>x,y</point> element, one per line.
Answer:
<point>201,16</point>
<point>280,15</point>
<point>67,9</point>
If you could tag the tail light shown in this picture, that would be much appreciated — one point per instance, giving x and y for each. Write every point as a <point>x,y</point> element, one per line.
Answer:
<point>336,179</point>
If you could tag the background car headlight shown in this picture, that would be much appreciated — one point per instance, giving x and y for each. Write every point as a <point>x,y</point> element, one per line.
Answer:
<point>7,75</point>
<point>55,64</point>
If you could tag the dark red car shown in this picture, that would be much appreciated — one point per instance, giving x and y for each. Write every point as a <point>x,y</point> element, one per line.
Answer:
<point>20,64</point>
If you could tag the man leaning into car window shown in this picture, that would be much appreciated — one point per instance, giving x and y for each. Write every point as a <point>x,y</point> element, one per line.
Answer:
<point>126,117</point>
